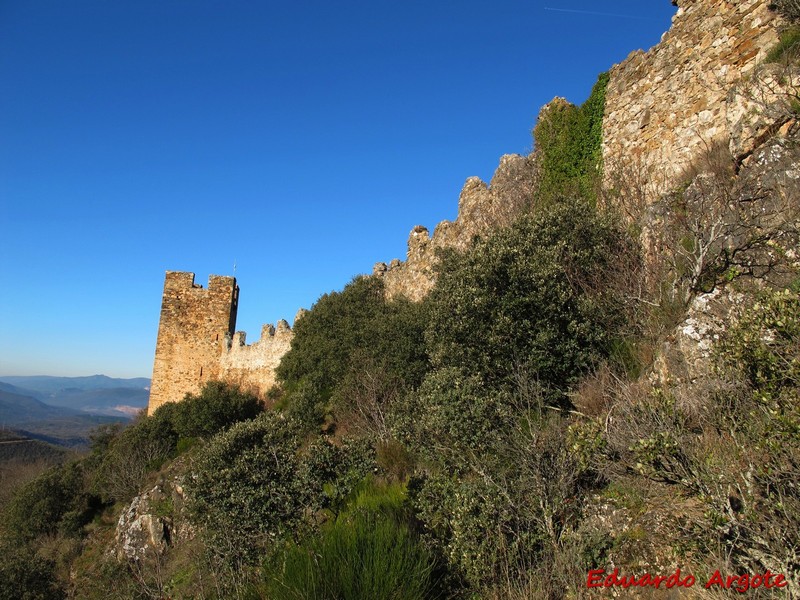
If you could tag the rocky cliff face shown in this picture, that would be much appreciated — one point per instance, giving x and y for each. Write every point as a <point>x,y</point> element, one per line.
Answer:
<point>154,521</point>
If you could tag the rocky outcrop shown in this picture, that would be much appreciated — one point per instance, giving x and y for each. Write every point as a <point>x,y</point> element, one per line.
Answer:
<point>760,106</point>
<point>153,522</point>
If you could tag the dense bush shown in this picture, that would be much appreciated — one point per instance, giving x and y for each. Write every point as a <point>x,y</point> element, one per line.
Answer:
<point>536,296</point>
<point>124,458</point>
<point>55,502</point>
<point>346,333</point>
<point>505,516</point>
<point>26,576</point>
<point>786,48</point>
<point>453,419</point>
<point>216,407</point>
<point>244,484</point>
<point>257,482</point>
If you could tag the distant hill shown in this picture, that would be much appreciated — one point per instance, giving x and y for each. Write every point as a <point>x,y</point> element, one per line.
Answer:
<point>58,425</point>
<point>17,447</point>
<point>47,383</point>
<point>17,408</point>
<point>95,395</point>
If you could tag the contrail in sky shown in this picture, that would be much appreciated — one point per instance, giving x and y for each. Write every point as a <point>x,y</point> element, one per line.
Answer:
<point>599,14</point>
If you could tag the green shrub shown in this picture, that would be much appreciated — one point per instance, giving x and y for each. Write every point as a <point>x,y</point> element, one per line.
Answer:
<point>539,295</point>
<point>731,442</point>
<point>243,489</point>
<point>764,346</point>
<point>26,576</point>
<point>218,406</point>
<point>367,552</point>
<point>259,481</point>
<point>452,418</point>
<point>786,46</point>
<point>125,460</point>
<point>54,502</point>
<point>345,333</point>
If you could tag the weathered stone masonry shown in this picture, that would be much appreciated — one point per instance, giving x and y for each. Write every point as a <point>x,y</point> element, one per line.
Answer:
<point>664,109</point>
<point>197,341</point>
<point>667,106</point>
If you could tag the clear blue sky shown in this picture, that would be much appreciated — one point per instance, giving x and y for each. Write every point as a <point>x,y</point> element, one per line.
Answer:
<point>302,140</point>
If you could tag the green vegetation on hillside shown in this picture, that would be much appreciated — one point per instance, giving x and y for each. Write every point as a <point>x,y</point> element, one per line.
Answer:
<point>536,416</point>
<point>537,297</point>
<point>353,347</point>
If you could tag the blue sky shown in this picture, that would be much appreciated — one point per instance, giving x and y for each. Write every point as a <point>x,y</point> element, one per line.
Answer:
<point>300,140</point>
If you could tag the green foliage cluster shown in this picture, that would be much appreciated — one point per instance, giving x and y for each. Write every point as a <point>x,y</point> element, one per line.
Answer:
<point>55,502</point>
<point>369,551</point>
<point>506,515</point>
<point>568,142</point>
<point>452,417</point>
<point>256,483</point>
<point>216,407</point>
<point>26,576</point>
<point>514,322</point>
<point>125,457</point>
<point>344,334</point>
<point>765,348</point>
<point>538,295</point>
<point>786,47</point>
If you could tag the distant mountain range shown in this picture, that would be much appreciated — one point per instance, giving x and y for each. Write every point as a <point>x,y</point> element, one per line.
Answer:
<point>64,410</point>
<point>95,395</point>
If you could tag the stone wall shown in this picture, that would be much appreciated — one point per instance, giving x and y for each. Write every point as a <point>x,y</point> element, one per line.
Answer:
<point>667,106</point>
<point>664,108</point>
<point>252,367</point>
<point>191,334</point>
<point>196,341</point>
<point>481,208</point>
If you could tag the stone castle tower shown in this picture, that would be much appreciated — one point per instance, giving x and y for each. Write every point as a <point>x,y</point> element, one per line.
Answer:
<point>197,341</point>
<point>195,328</point>
<point>703,85</point>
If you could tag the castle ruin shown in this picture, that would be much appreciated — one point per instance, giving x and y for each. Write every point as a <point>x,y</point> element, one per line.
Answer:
<point>198,342</point>
<point>702,85</point>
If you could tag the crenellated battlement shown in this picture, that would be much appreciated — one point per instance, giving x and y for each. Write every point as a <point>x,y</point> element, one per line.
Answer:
<point>481,208</point>
<point>252,366</point>
<point>664,108</point>
<point>198,341</point>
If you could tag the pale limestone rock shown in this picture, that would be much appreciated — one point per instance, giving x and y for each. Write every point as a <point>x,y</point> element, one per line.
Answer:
<point>153,522</point>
